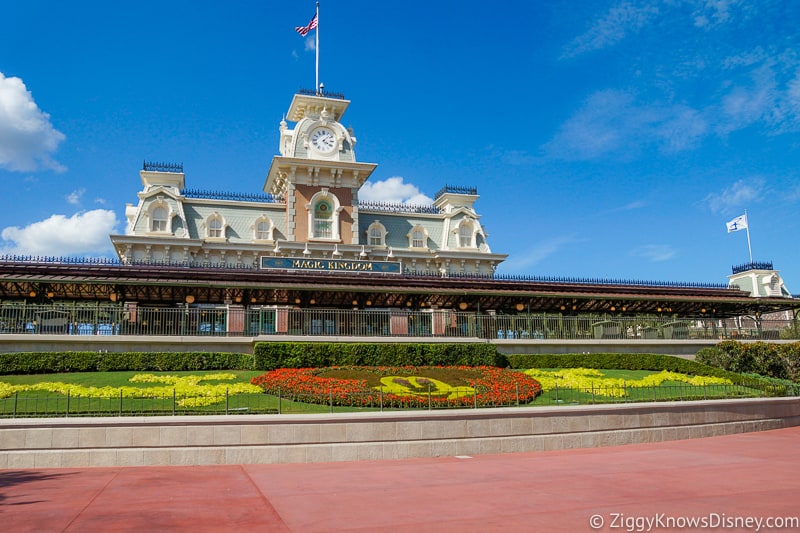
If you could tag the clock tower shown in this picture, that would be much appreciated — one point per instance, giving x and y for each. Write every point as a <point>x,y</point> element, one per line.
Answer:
<point>317,173</point>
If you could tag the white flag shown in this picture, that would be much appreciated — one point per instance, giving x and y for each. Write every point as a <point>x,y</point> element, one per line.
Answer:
<point>738,223</point>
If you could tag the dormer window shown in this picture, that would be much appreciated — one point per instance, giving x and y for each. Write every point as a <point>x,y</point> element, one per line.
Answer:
<point>262,229</point>
<point>418,237</point>
<point>215,227</point>
<point>158,219</point>
<point>466,234</point>
<point>376,234</point>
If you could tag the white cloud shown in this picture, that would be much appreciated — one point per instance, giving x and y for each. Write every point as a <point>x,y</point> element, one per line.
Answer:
<point>526,258</point>
<point>74,197</point>
<point>761,88</point>
<point>745,105</point>
<point>393,190</point>
<point>311,43</point>
<point>611,122</point>
<point>27,138</point>
<point>621,20</point>
<point>714,12</point>
<point>654,252</point>
<point>737,196</point>
<point>83,233</point>
<point>630,206</point>
<point>793,194</point>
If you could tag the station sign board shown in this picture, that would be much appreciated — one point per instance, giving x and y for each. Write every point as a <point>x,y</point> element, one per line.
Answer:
<point>330,265</point>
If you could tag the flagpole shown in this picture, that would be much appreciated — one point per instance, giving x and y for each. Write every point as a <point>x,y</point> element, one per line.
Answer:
<point>747,227</point>
<point>317,49</point>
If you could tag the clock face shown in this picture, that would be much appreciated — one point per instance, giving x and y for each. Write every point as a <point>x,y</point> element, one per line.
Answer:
<point>323,140</point>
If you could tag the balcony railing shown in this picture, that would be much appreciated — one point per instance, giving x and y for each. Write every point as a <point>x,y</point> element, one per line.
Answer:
<point>753,265</point>
<point>456,189</point>
<point>321,92</point>
<point>153,166</point>
<point>233,196</point>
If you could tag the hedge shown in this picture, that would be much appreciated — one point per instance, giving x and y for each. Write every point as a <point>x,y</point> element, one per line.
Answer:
<point>272,355</point>
<point>268,356</point>
<point>781,361</point>
<point>59,362</point>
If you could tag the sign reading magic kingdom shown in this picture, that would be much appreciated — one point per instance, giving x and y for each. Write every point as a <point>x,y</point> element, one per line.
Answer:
<point>332,265</point>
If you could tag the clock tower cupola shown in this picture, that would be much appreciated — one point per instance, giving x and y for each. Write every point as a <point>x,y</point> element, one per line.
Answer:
<point>317,171</point>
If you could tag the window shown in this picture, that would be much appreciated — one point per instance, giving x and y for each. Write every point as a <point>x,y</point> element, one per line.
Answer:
<point>158,220</point>
<point>215,227</point>
<point>263,230</point>
<point>323,216</point>
<point>465,235</point>
<point>418,237</point>
<point>375,237</point>
<point>376,234</point>
<point>323,220</point>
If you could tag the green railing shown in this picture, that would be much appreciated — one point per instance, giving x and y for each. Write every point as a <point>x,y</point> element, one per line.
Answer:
<point>185,320</point>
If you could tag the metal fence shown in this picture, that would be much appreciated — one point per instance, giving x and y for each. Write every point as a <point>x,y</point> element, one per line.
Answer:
<point>188,320</point>
<point>25,405</point>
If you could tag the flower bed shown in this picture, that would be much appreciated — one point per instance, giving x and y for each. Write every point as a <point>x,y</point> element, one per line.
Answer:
<point>401,386</point>
<point>594,381</point>
<point>191,392</point>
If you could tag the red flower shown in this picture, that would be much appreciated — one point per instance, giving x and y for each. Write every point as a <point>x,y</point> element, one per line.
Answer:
<point>493,387</point>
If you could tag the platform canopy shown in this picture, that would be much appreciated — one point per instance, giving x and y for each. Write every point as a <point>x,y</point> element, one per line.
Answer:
<point>170,285</point>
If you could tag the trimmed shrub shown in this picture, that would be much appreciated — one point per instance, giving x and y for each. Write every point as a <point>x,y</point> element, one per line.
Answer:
<point>272,355</point>
<point>714,356</point>
<point>781,361</point>
<point>60,362</point>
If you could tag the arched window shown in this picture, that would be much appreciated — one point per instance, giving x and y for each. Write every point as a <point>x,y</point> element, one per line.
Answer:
<point>376,234</point>
<point>323,220</point>
<point>774,285</point>
<point>418,238</point>
<point>323,216</point>
<point>158,219</point>
<point>215,227</point>
<point>262,229</point>
<point>466,234</point>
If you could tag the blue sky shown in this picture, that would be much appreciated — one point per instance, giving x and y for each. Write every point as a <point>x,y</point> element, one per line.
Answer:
<point>609,139</point>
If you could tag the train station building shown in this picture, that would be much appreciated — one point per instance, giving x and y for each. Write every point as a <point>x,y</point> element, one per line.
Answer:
<point>307,256</point>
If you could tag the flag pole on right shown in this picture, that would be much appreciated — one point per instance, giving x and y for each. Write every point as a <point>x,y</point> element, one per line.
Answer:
<point>740,223</point>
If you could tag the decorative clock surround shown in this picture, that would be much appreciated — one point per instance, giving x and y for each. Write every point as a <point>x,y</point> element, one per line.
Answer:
<point>324,140</point>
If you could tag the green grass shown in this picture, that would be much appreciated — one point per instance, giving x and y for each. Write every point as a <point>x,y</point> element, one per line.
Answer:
<point>120,379</point>
<point>39,403</point>
<point>666,391</point>
<point>43,403</point>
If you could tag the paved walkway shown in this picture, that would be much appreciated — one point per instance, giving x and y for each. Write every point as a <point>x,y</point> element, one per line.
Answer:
<point>720,479</point>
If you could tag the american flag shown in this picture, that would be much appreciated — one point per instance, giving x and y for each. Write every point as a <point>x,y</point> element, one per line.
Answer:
<point>303,30</point>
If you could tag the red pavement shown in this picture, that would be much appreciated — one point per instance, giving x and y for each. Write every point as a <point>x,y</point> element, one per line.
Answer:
<point>729,478</point>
